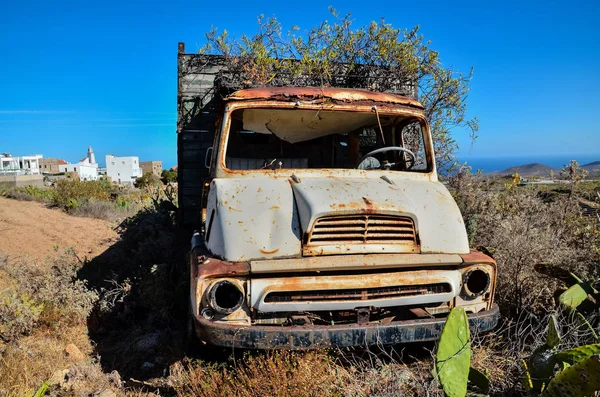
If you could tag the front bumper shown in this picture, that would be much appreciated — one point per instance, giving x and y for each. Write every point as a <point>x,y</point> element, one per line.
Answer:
<point>322,336</point>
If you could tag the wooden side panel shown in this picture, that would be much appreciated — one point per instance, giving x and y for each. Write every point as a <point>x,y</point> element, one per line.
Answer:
<point>191,148</point>
<point>198,110</point>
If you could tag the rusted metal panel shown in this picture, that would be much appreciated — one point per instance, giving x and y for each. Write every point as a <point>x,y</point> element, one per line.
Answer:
<point>392,233</point>
<point>260,288</point>
<point>368,262</point>
<point>347,95</point>
<point>253,215</point>
<point>254,219</point>
<point>311,336</point>
<point>357,294</point>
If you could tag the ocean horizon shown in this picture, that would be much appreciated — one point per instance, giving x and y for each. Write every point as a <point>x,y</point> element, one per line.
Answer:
<point>490,164</point>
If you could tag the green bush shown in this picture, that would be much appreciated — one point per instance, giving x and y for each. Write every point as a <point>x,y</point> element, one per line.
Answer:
<point>68,193</point>
<point>27,193</point>
<point>169,176</point>
<point>54,297</point>
<point>19,313</point>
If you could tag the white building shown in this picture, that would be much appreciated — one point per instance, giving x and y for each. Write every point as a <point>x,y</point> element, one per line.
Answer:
<point>21,165</point>
<point>87,168</point>
<point>123,170</point>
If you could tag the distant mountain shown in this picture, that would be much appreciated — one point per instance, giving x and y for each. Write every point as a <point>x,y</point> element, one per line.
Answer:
<point>533,169</point>
<point>595,165</point>
<point>593,168</point>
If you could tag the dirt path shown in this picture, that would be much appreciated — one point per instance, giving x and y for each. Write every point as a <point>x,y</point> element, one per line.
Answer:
<point>30,230</point>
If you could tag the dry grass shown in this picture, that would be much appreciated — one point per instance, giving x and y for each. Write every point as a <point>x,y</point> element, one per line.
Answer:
<point>106,210</point>
<point>522,229</point>
<point>35,358</point>
<point>136,327</point>
<point>313,373</point>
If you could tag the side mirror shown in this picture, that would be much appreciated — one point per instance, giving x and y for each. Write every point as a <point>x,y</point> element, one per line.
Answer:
<point>208,157</point>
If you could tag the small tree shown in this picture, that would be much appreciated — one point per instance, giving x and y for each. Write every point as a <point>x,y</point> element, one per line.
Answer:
<point>376,56</point>
<point>169,176</point>
<point>147,180</point>
<point>574,174</point>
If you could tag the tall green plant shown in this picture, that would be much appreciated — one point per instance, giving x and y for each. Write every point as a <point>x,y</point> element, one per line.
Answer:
<point>453,357</point>
<point>550,372</point>
<point>377,56</point>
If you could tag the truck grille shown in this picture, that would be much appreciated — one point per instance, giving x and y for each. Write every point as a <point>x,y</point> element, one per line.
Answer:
<point>363,229</point>
<point>357,294</point>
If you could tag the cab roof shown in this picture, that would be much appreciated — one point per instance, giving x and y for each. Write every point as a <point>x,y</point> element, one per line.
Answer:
<point>346,95</point>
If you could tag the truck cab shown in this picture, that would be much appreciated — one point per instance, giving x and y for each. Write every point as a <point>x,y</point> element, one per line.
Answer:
<point>323,223</point>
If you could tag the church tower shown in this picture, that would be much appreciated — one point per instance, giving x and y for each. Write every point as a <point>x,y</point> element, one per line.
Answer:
<point>91,156</point>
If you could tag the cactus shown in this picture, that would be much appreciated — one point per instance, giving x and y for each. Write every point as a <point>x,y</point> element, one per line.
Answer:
<point>479,379</point>
<point>580,379</point>
<point>585,322</point>
<point>453,356</point>
<point>575,295</point>
<point>553,337</point>
<point>539,369</point>
<point>527,382</point>
<point>577,354</point>
<point>42,390</point>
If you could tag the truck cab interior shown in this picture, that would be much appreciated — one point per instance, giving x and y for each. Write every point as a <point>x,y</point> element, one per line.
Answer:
<point>263,139</point>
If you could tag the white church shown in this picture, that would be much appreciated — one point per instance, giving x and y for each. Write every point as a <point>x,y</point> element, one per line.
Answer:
<point>86,168</point>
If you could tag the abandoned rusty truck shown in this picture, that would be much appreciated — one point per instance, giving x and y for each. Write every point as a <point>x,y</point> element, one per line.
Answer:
<point>319,218</point>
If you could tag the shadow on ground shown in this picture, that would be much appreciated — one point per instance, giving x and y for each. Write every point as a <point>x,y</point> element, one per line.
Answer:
<point>138,325</point>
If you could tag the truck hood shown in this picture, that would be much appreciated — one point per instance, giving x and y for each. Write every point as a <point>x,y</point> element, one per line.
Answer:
<point>266,218</point>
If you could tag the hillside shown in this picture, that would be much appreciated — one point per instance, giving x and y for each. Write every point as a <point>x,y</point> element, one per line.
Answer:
<point>593,168</point>
<point>533,169</point>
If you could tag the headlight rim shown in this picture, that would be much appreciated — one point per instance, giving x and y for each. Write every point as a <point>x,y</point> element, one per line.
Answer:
<point>467,274</point>
<point>212,298</point>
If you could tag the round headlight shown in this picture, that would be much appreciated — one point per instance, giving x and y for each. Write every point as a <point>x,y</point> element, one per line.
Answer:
<point>225,297</point>
<point>476,282</point>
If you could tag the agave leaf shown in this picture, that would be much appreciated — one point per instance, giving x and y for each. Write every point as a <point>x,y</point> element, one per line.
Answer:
<point>479,379</point>
<point>453,356</point>
<point>526,377</point>
<point>576,278</point>
<point>553,337</point>
<point>42,390</point>
<point>577,380</point>
<point>575,295</point>
<point>584,321</point>
<point>577,354</point>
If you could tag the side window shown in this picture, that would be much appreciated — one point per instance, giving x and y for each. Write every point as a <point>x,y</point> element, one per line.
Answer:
<point>412,136</point>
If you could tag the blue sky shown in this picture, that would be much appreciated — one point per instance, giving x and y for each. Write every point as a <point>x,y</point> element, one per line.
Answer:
<point>104,73</point>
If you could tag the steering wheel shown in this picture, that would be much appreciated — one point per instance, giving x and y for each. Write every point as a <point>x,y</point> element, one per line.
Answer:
<point>369,165</point>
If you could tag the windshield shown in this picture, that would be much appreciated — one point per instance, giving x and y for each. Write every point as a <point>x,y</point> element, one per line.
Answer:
<point>300,138</point>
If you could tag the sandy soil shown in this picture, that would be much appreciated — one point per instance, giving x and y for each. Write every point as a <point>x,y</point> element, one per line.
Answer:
<point>30,230</point>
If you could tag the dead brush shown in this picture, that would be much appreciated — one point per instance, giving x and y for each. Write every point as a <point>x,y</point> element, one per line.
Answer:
<point>276,373</point>
<point>36,297</point>
<point>107,210</point>
<point>521,229</point>
<point>384,371</point>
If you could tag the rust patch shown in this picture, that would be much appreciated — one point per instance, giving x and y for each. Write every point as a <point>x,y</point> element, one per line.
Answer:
<point>290,94</point>
<point>268,252</point>
<point>275,207</point>
<point>475,257</point>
